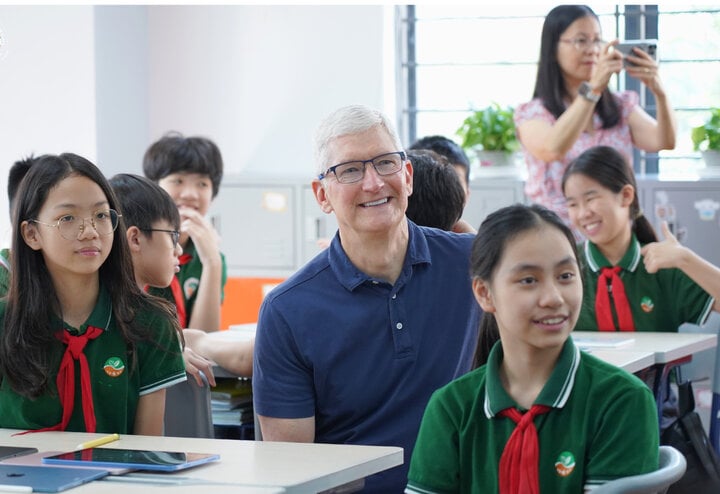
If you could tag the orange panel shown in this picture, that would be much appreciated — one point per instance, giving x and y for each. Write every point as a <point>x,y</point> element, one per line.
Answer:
<point>243,297</point>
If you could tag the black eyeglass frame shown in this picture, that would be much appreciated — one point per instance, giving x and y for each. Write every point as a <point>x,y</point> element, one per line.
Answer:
<point>402,154</point>
<point>174,234</point>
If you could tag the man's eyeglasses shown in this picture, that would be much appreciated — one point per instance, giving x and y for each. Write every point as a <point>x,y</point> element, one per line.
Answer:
<point>584,44</point>
<point>174,234</point>
<point>71,227</point>
<point>354,171</point>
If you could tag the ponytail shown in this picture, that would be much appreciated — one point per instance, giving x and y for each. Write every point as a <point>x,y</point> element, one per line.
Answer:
<point>488,335</point>
<point>642,228</point>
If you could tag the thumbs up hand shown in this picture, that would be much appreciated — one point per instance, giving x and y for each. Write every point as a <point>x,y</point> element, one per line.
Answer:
<point>667,253</point>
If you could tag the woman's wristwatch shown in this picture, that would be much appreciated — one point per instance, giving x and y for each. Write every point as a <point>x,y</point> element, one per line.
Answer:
<point>586,91</point>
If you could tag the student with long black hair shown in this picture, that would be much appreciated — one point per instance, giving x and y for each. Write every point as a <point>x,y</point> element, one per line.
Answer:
<point>73,307</point>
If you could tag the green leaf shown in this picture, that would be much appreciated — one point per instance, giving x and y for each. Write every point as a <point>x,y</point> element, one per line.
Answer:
<point>491,128</point>
<point>709,133</point>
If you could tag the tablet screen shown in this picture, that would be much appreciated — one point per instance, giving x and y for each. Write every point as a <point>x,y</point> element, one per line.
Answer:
<point>132,458</point>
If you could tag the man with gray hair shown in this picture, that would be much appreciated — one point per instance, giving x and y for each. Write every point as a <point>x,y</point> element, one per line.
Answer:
<point>350,347</point>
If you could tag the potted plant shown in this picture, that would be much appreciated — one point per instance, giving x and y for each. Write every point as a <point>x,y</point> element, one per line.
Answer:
<point>706,138</point>
<point>490,133</point>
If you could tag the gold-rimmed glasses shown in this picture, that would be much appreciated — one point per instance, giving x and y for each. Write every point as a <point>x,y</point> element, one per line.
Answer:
<point>71,227</point>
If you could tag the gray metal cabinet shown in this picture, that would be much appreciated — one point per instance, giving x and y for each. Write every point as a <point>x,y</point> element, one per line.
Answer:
<point>489,194</point>
<point>692,209</point>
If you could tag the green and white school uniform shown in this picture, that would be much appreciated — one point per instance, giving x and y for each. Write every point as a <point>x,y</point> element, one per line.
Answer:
<point>189,279</point>
<point>602,424</point>
<point>117,380</point>
<point>660,301</point>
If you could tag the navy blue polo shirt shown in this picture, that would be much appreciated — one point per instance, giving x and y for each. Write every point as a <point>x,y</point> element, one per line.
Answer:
<point>363,356</point>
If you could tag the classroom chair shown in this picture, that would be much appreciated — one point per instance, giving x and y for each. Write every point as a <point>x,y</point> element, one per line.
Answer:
<point>188,409</point>
<point>672,468</point>
<point>706,366</point>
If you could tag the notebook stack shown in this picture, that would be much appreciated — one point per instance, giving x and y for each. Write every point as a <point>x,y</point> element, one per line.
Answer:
<point>232,402</point>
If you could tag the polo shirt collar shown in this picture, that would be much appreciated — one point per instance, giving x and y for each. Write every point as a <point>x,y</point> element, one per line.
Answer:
<point>596,260</point>
<point>99,317</point>
<point>555,393</point>
<point>351,277</point>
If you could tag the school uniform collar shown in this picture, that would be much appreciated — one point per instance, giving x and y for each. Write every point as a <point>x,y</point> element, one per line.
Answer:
<point>351,277</point>
<point>555,393</point>
<point>596,260</point>
<point>99,317</point>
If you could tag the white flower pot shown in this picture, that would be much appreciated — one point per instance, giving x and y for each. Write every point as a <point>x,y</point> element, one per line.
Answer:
<point>495,158</point>
<point>711,158</point>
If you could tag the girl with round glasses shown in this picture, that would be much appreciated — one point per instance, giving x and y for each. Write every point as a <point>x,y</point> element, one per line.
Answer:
<point>574,109</point>
<point>75,315</point>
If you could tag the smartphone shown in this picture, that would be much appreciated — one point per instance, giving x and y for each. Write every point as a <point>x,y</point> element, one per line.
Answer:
<point>649,46</point>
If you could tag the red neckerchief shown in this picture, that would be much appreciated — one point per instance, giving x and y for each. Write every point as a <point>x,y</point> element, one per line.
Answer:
<point>177,293</point>
<point>66,379</point>
<point>603,312</point>
<point>519,460</point>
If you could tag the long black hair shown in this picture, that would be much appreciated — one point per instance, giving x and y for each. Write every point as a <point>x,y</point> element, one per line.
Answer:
<point>499,228</point>
<point>549,83</point>
<point>28,339</point>
<point>606,166</point>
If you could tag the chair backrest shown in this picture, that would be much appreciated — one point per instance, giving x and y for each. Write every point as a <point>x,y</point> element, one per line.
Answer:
<point>188,409</point>
<point>706,365</point>
<point>672,467</point>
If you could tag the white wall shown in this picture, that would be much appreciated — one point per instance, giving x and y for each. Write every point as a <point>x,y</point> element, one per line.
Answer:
<point>258,79</point>
<point>106,81</point>
<point>47,87</point>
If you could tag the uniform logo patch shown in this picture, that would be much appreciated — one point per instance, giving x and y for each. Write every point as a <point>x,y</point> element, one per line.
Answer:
<point>565,464</point>
<point>190,287</point>
<point>114,366</point>
<point>646,304</point>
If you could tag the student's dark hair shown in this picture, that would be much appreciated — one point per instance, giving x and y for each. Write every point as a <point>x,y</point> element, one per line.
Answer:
<point>549,83</point>
<point>494,234</point>
<point>175,153</point>
<point>142,202</point>
<point>438,197</point>
<point>606,166</point>
<point>28,340</point>
<point>17,172</point>
<point>447,148</point>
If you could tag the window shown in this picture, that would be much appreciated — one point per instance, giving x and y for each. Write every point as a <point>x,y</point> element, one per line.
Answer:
<point>454,59</point>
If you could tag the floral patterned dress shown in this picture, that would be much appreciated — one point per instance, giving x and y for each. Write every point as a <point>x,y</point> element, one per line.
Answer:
<point>544,183</point>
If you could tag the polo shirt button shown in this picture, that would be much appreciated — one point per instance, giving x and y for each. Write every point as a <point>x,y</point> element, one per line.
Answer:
<point>399,325</point>
<point>394,296</point>
<point>375,282</point>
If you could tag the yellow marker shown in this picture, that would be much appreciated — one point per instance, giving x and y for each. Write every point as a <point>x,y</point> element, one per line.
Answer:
<point>99,441</point>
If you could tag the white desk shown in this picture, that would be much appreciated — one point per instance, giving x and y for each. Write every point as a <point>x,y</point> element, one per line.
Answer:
<point>667,347</point>
<point>669,351</point>
<point>630,360</point>
<point>244,466</point>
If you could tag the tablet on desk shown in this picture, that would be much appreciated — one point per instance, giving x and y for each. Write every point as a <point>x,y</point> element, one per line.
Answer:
<point>26,478</point>
<point>164,461</point>
<point>13,451</point>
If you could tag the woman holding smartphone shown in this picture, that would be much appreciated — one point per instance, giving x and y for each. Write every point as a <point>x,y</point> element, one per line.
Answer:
<point>573,108</point>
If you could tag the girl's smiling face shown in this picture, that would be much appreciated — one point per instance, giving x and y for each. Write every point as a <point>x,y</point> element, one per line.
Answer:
<point>78,197</point>
<point>536,292</point>
<point>597,212</point>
